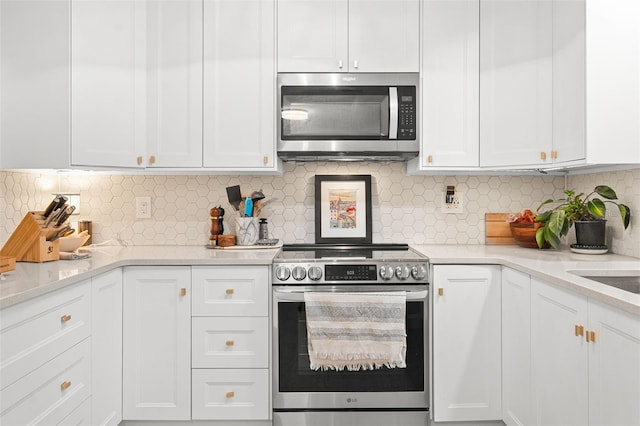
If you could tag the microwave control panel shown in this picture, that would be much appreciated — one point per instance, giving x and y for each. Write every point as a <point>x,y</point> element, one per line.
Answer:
<point>407,112</point>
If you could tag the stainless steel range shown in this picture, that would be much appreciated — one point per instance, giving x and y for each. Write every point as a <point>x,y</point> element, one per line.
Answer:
<point>385,396</point>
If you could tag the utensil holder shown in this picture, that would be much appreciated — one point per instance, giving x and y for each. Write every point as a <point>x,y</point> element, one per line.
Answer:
<point>246,231</point>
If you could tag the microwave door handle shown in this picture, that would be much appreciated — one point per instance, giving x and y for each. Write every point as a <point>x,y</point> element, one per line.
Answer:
<point>393,113</point>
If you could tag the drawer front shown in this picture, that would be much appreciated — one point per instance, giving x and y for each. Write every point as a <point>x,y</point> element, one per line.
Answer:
<point>36,331</point>
<point>231,342</point>
<point>51,392</point>
<point>230,291</point>
<point>81,416</point>
<point>230,394</point>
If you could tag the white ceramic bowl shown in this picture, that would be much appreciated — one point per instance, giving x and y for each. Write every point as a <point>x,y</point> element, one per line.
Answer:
<point>73,242</point>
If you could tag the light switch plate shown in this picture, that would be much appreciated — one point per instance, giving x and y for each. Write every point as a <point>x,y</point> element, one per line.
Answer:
<point>143,207</point>
<point>73,200</point>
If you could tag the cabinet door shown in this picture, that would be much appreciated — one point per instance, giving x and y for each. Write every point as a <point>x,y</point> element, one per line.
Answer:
<point>106,348</point>
<point>174,78</point>
<point>384,36</point>
<point>157,343</point>
<point>108,82</point>
<point>35,84</point>
<point>466,343</point>
<point>313,35</point>
<point>239,81</point>
<point>614,366</point>
<point>515,82</point>
<point>516,348</point>
<point>559,356</point>
<point>450,83</point>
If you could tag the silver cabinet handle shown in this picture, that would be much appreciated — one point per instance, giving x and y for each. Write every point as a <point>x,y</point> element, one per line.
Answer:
<point>355,64</point>
<point>340,64</point>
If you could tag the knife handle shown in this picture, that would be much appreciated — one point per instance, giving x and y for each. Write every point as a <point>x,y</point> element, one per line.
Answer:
<point>64,216</point>
<point>52,206</point>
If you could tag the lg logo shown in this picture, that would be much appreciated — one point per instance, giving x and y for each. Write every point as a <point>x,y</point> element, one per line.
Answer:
<point>352,400</point>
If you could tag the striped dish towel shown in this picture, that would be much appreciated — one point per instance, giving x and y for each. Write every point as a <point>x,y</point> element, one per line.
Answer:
<point>356,330</point>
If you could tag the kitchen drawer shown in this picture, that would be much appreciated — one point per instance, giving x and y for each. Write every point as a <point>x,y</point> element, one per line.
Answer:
<point>81,416</point>
<point>229,342</point>
<point>36,331</point>
<point>230,291</point>
<point>230,394</point>
<point>51,392</point>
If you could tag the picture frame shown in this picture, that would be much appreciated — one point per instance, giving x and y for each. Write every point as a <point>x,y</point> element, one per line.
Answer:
<point>343,209</point>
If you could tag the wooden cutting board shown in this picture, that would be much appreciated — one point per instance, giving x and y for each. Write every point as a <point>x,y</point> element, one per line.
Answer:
<point>497,230</point>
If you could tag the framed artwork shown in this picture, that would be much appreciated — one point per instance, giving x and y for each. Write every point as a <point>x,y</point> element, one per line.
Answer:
<point>343,209</point>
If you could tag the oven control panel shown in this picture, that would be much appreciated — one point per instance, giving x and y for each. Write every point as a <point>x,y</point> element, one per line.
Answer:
<point>400,272</point>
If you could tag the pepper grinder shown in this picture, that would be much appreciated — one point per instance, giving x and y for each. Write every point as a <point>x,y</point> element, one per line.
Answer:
<point>217,214</point>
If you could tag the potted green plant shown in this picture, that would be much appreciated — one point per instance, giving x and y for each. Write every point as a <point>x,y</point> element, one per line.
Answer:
<point>584,211</point>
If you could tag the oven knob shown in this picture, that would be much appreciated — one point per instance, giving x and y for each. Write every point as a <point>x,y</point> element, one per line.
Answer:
<point>419,272</point>
<point>315,273</point>
<point>402,272</point>
<point>283,273</point>
<point>386,272</point>
<point>299,273</point>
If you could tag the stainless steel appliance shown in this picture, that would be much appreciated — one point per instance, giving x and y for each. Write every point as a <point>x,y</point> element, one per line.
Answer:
<point>386,396</point>
<point>347,116</point>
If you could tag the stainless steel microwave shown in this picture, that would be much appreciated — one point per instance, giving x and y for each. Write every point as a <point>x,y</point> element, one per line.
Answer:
<point>347,116</point>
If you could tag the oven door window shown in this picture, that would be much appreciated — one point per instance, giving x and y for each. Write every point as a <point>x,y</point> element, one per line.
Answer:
<point>295,375</point>
<point>341,113</point>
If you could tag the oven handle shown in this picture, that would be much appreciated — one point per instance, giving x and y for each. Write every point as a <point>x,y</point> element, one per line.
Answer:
<point>297,295</point>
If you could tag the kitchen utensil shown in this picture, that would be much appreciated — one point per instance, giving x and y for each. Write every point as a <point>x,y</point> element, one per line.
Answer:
<point>55,214</point>
<point>248,207</point>
<point>234,196</point>
<point>52,206</point>
<point>67,230</point>
<point>246,231</point>
<point>65,215</point>
<point>257,195</point>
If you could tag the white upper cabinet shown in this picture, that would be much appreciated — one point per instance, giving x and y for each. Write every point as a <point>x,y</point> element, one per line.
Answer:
<point>136,83</point>
<point>239,85</point>
<point>450,87</point>
<point>348,35</point>
<point>34,82</point>
<point>515,82</point>
<point>613,81</point>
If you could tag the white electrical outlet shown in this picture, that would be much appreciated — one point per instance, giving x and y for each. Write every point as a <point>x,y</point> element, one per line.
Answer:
<point>455,206</point>
<point>143,207</point>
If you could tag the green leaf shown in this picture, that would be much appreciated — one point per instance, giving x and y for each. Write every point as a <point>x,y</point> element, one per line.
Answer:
<point>597,208</point>
<point>551,238</point>
<point>544,217</point>
<point>625,213</point>
<point>556,222</point>
<point>540,236</point>
<point>606,192</point>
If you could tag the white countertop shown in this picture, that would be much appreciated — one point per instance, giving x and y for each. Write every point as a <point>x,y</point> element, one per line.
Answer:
<point>549,265</point>
<point>30,280</point>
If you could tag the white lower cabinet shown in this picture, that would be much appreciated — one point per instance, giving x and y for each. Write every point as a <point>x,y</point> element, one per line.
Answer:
<point>466,343</point>
<point>567,360</point>
<point>156,343</point>
<point>516,348</point>
<point>45,352</point>
<point>230,343</point>
<point>106,349</point>
<point>231,394</point>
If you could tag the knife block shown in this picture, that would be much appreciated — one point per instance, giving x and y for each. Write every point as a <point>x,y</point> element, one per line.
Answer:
<point>29,242</point>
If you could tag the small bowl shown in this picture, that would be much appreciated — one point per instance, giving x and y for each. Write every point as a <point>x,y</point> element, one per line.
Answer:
<point>73,242</point>
<point>525,234</point>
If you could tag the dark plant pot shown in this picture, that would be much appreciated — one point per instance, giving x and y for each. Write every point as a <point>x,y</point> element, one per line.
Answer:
<point>590,233</point>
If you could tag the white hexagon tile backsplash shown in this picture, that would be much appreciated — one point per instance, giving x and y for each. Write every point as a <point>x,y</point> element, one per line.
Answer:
<point>405,208</point>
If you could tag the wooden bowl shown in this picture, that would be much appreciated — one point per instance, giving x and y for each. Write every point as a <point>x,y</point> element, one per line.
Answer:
<point>73,242</point>
<point>525,233</point>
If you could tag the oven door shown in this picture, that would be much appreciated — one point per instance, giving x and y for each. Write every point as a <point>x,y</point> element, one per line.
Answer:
<point>297,387</point>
